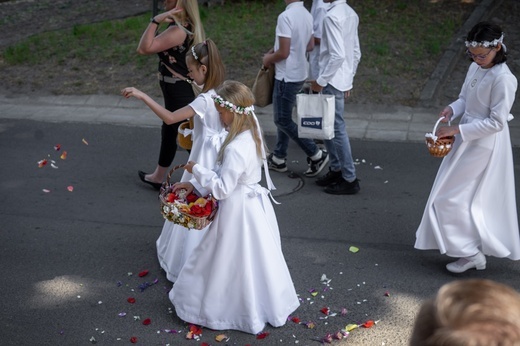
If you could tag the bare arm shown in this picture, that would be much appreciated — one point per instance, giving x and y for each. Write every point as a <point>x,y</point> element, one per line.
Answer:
<point>281,54</point>
<point>310,45</point>
<point>171,37</point>
<point>166,116</point>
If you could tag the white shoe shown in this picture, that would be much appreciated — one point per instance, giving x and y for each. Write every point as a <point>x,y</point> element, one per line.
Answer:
<point>477,261</point>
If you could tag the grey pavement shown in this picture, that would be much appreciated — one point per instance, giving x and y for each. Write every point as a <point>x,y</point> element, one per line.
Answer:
<point>70,259</point>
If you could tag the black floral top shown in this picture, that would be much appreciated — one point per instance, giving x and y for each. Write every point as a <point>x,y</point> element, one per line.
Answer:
<point>175,57</point>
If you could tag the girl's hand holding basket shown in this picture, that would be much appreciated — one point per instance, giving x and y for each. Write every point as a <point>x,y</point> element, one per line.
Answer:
<point>180,205</point>
<point>440,142</point>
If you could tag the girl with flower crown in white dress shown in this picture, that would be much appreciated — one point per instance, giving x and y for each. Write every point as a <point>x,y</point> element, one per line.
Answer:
<point>237,277</point>
<point>205,67</point>
<point>471,211</point>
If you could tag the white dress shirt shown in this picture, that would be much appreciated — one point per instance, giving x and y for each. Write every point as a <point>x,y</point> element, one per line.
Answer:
<point>340,52</point>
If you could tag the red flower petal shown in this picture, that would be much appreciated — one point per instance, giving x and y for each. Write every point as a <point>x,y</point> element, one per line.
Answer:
<point>133,340</point>
<point>295,319</point>
<point>262,335</point>
<point>368,324</point>
<point>131,300</point>
<point>195,330</point>
<point>325,310</point>
<point>143,273</point>
<point>147,321</point>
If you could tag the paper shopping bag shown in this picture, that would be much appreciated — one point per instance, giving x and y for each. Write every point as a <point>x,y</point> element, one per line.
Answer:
<point>315,115</point>
<point>263,87</point>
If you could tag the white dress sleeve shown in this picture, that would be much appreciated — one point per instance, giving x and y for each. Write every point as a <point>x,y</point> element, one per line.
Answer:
<point>223,184</point>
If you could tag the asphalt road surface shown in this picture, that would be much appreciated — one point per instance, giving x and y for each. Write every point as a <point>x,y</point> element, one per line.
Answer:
<point>71,259</point>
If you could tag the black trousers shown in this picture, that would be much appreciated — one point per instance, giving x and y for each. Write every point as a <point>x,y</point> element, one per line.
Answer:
<point>176,96</point>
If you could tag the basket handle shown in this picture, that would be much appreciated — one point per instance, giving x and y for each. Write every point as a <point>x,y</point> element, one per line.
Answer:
<point>173,170</point>
<point>437,124</point>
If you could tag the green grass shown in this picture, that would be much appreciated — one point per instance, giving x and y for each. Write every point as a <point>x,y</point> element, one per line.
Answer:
<point>398,38</point>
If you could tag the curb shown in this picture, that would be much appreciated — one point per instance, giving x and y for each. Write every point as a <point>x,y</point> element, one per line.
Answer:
<point>453,53</point>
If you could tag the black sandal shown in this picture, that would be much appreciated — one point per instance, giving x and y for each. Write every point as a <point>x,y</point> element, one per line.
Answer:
<point>156,186</point>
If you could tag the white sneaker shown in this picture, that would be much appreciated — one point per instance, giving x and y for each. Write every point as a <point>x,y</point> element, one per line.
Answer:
<point>477,261</point>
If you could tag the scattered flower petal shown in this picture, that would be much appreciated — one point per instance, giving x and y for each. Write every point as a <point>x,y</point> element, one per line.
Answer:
<point>143,273</point>
<point>54,166</point>
<point>261,336</point>
<point>378,167</point>
<point>351,327</point>
<point>368,324</point>
<point>84,141</point>
<point>295,319</point>
<point>46,191</point>
<point>131,300</point>
<point>387,294</point>
<point>325,310</point>
<point>93,340</point>
<point>147,321</point>
<point>353,249</point>
<point>310,325</point>
<point>328,339</point>
<point>57,147</point>
<point>70,188</point>
<point>122,314</point>
<point>63,156</point>
<point>221,337</point>
<point>42,163</point>
<point>133,340</point>
<point>344,311</point>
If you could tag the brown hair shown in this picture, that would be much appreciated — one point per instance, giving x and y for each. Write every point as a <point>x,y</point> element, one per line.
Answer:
<point>474,312</point>
<point>208,55</point>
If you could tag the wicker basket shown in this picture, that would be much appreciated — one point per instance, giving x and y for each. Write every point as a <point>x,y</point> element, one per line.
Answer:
<point>176,211</point>
<point>439,147</point>
<point>185,141</point>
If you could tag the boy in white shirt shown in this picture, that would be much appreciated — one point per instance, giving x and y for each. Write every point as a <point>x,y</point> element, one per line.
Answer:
<point>340,54</point>
<point>293,39</point>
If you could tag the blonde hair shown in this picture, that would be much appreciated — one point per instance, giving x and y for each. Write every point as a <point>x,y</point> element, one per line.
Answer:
<point>207,54</point>
<point>474,312</point>
<point>190,16</point>
<point>241,96</point>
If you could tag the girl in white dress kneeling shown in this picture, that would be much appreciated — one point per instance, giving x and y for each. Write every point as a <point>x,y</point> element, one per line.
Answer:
<point>236,278</point>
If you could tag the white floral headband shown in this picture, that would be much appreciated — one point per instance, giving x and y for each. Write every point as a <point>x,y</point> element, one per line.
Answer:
<point>194,54</point>
<point>485,44</point>
<point>233,108</point>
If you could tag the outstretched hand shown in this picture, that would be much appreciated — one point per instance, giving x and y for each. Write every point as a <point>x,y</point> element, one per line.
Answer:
<point>131,91</point>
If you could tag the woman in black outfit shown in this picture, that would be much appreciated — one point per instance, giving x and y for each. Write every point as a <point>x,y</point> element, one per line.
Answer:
<point>171,45</point>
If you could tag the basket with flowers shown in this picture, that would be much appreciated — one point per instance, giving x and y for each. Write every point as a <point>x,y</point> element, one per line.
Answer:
<point>186,209</point>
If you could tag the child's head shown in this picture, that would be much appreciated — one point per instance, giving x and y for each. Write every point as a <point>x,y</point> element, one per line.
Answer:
<point>486,39</point>
<point>234,102</point>
<point>205,65</point>
<point>472,312</point>
<point>189,19</point>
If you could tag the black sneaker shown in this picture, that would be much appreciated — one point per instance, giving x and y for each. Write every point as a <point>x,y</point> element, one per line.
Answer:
<point>330,178</point>
<point>273,166</point>
<point>343,188</point>
<point>315,167</point>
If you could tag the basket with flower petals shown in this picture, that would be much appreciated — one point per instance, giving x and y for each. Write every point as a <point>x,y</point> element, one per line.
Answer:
<point>186,209</point>
<point>438,147</point>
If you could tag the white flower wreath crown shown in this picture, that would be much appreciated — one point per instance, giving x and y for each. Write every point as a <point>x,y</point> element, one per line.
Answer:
<point>233,108</point>
<point>194,54</point>
<point>485,44</point>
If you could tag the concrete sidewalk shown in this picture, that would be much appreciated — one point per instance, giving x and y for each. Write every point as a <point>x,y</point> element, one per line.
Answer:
<point>392,123</point>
